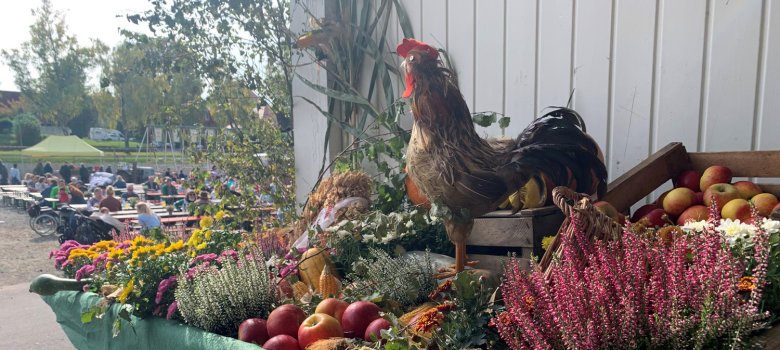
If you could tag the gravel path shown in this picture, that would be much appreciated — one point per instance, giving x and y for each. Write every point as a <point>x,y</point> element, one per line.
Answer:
<point>23,253</point>
<point>26,322</point>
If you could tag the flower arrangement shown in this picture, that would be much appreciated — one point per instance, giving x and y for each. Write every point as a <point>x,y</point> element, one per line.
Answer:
<point>141,272</point>
<point>691,292</point>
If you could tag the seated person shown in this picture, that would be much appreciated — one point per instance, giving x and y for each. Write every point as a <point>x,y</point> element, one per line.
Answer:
<point>76,196</point>
<point>204,200</point>
<point>146,217</point>
<point>151,185</point>
<point>130,193</point>
<point>184,203</point>
<point>169,189</point>
<point>120,182</point>
<point>46,192</point>
<point>97,196</point>
<point>62,192</point>
<point>110,201</point>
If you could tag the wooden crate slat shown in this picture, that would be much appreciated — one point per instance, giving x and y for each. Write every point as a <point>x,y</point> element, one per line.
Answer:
<point>496,263</point>
<point>742,164</point>
<point>648,175</point>
<point>771,188</point>
<point>502,232</point>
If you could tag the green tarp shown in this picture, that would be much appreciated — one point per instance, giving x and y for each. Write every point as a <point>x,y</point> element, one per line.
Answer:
<point>152,333</point>
<point>62,146</point>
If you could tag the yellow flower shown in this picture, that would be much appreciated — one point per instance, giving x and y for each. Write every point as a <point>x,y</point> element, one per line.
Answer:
<point>103,246</point>
<point>109,265</point>
<point>207,234</point>
<point>176,246</point>
<point>194,239</point>
<point>201,246</point>
<point>547,241</point>
<point>126,291</point>
<point>116,254</point>
<point>206,221</point>
<point>219,215</point>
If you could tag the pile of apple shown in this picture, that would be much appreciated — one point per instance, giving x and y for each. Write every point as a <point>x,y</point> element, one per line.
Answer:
<point>695,192</point>
<point>288,328</point>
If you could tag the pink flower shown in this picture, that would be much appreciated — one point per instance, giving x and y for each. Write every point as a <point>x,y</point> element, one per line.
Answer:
<point>172,309</point>
<point>84,271</point>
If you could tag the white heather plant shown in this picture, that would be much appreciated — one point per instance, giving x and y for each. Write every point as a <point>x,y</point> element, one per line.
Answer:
<point>219,300</point>
<point>407,280</point>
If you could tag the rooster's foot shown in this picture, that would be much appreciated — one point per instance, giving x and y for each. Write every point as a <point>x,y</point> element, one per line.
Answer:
<point>451,271</point>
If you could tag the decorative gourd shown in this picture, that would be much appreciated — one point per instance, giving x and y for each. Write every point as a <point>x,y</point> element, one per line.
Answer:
<point>299,290</point>
<point>47,284</point>
<point>311,265</point>
<point>329,285</point>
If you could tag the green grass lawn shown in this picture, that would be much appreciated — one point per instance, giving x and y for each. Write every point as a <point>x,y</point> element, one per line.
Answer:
<point>11,157</point>
<point>114,144</point>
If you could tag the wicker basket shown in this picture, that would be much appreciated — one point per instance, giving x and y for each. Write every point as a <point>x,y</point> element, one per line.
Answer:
<point>593,222</point>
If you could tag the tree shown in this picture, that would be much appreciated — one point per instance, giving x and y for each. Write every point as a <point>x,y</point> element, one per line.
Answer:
<point>147,81</point>
<point>237,41</point>
<point>50,69</point>
<point>27,129</point>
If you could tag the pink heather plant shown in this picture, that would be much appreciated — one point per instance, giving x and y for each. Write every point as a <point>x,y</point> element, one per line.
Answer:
<point>633,293</point>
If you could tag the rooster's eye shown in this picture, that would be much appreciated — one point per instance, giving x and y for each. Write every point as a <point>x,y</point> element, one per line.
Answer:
<point>411,58</point>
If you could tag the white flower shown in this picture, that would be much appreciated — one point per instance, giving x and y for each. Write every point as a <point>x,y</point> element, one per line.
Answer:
<point>696,226</point>
<point>409,224</point>
<point>341,234</point>
<point>733,230</point>
<point>770,226</point>
<point>369,238</point>
<point>389,238</point>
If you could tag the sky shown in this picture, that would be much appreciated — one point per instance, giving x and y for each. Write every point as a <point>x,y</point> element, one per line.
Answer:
<point>86,20</point>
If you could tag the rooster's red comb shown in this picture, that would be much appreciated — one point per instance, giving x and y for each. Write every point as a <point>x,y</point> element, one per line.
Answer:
<point>408,44</point>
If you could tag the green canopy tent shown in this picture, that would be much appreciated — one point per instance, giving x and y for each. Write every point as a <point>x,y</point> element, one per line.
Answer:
<point>62,146</point>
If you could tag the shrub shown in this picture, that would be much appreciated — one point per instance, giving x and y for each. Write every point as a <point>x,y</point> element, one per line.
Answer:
<point>27,129</point>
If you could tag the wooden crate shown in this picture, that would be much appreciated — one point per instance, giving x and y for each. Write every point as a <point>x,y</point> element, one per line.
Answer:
<point>499,233</point>
<point>669,161</point>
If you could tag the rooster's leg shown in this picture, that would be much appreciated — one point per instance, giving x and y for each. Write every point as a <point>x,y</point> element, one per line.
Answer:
<point>460,255</point>
<point>458,231</point>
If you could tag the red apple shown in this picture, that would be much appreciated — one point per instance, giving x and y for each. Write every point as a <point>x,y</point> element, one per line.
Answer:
<point>699,198</point>
<point>357,317</point>
<point>316,327</point>
<point>722,193</point>
<point>281,342</point>
<point>737,209</point>
<point>678,200</point>
<point>715,174</point>
<point>747,189</point>
<point>332,306</point>
<point>695,213</point>
<point>253,330</point>
<point>688,179</point>
<point>657,217</point>
<point>642,211</point>
<point>764,203</point>
<point>374,329</point>
<point>285,320</point>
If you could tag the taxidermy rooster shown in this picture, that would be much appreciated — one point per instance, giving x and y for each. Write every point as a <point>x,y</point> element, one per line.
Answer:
<point>451,165</point>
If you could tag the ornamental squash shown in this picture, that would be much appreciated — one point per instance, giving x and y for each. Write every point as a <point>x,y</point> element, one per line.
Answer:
<point>311,265</point>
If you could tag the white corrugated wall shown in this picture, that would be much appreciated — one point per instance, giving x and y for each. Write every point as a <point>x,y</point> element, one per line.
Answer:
<point>644,73</point>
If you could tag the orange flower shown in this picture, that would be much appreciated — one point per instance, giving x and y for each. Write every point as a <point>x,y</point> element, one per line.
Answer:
<point>440,289</point>
<point>747,284</point>
<point>429,320</point>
